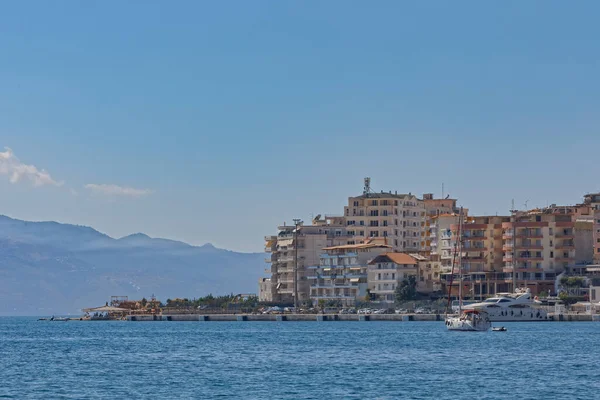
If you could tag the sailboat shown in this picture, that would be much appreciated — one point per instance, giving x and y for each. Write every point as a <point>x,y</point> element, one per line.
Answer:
<point>469,319</point>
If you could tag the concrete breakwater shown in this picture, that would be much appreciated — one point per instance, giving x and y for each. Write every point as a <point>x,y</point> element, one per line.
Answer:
<point>327,317</point>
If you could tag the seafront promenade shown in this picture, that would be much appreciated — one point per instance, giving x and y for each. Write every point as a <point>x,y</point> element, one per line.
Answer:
<point>331,317</point>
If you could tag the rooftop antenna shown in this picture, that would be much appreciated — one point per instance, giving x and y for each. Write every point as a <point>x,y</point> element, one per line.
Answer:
<point>442,190</point>
<point>367,188</point>
<point>526,201</point>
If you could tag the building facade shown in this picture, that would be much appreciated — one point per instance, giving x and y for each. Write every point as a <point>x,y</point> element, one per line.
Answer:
<point>341,275</point>
<point>400,218</point>
<point>593,201</point>
<point>303,247</point>
<point>387,271</point>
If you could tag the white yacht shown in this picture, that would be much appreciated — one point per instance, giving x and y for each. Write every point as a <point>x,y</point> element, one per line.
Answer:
<point>518,306</point>
<point>469,320</point>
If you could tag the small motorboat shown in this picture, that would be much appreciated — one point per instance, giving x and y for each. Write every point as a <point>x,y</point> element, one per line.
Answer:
<point>499,329</point>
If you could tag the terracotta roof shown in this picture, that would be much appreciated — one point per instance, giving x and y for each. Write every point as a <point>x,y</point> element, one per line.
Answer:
<point>358,246</point>
<point>397,258</point>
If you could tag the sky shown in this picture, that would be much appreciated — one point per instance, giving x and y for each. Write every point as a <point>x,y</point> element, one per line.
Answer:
<point>218,121</point>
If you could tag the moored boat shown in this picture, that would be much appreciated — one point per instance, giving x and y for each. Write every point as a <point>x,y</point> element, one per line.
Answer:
<point>469,320</point>
<point>518,306</point>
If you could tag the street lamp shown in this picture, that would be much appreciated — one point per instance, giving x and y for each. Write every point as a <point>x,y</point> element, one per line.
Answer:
<point>297,223</point>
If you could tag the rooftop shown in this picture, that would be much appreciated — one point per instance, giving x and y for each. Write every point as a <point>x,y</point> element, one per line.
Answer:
<point>397,258</point>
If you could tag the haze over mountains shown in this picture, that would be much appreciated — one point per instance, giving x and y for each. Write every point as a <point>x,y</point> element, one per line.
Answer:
<point>52,268</point>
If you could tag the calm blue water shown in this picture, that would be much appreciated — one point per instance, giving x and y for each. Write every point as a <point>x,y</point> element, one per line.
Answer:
<point>295,360</point>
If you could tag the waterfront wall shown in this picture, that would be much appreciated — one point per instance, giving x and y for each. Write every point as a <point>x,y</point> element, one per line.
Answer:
<point>329,317</point>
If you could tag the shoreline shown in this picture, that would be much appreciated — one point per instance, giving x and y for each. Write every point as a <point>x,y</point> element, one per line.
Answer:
<point>333,317</point>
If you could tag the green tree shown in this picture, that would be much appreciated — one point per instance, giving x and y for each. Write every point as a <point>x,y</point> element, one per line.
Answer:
<point>407,290</point>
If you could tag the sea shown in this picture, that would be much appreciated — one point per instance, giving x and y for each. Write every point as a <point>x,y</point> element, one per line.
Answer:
<point>296,360</point>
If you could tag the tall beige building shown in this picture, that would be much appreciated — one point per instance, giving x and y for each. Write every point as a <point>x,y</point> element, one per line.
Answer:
<point>481,256</point>
<point>593,200</point>
<point>305,246</point>
<point>400,218</point>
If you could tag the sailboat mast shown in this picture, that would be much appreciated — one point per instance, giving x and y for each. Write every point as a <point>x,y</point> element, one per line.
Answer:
<point>460,269</point>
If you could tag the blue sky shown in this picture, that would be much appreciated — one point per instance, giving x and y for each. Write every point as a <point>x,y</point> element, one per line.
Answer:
<point>226,118</point>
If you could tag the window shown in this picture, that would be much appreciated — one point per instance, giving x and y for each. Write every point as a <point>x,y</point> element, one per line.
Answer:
<point>373,223</point>
<point>385,223</point>
<point>373,202</point>
<point>396,233</point>
<point>356,204</point>
<point>396,222</point>
<point>385,233</point>
<point>379,276</point>
<point>393,275</point>
<point>384,202</point>
<point>396,242</point>
<point>551,254</point>
<point>374,234</point>
<point>362,223</point>
<point>351,222</point>
<point>384,213</point>
<point>396,203</point>
<point>374,213</point>
<point>362,233</point>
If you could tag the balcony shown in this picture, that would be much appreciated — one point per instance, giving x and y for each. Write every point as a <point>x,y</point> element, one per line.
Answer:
<point>471,249</point>
<point>565,246</point>
<point>529,246</point>
<point>530,258</point>
<point>483,237</point>
<point>532,235</point>
<point>269,238</point>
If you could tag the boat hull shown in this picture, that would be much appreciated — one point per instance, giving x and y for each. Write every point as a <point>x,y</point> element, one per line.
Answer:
<point>459,324</point>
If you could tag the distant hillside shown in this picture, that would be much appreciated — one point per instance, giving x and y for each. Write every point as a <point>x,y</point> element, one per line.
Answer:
<point>51,268</point>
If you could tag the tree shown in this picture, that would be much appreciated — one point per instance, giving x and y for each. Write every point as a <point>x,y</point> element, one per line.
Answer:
<point>369,296</point>
<point>407,290</point>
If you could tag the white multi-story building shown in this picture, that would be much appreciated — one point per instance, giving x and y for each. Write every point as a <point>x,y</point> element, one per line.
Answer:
<point>387,271</point>
<point>341,275</point>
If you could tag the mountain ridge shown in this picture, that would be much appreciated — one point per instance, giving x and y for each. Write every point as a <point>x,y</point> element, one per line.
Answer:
<point>52,268</point>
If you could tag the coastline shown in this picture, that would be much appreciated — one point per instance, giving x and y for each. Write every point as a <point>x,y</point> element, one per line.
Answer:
<point>333,317</point>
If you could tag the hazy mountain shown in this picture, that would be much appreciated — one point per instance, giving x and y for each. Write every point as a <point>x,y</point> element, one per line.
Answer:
<point>51,268</point>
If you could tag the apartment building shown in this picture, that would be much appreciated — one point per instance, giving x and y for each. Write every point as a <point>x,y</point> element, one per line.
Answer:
<point>539,245</point>
<point>341,274</point>
<point>481,255</point>
<point>400,218</point>
<point>429,269</point>
<point>434,208</point>
<point>593,201</point>
<point>265,290</point>
<point>440,233</point>
<point>306,243</point>
<point>387,271</point>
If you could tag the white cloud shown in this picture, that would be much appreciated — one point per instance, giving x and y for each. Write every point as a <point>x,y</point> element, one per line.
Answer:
<point>17,171</point>
<point>115,190</point>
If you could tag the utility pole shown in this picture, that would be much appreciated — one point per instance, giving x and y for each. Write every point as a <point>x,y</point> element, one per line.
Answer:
<point>297,223</point>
